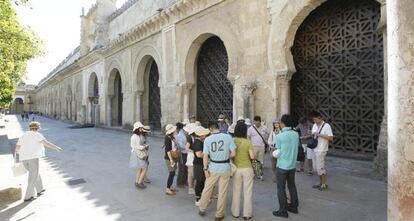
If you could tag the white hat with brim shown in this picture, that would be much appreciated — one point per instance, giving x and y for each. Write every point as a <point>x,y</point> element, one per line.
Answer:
<point>169,129</point>
<point>190,128</point>
<point>201,131</point>
<point>146,128</point>
<point>247,121</point>
<point>240,118</point>
<point>137,125</point>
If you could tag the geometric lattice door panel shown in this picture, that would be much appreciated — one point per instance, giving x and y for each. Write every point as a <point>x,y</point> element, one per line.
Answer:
<point>338,55</point>
<point>214,90</point>
<point>154,108</point>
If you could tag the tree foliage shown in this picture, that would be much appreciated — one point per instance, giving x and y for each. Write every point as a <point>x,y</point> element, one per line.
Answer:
<point>18,44</point>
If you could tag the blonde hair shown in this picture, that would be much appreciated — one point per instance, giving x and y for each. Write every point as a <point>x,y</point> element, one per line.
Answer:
<point>34,125</point>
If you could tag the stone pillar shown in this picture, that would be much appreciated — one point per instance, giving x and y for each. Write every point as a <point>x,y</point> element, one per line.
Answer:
<point>400,28</point>
<point>248,100</point>
<point>109,109</point>
<point>97,114</point>
<point>138,105</point>
<point>284,78</point>
<point>91,111</point>
<point>186,100</point>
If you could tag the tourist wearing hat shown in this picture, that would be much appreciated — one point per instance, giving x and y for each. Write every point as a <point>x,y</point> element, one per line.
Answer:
<point>271,141</point>
<point>190,136</point>
<point>193,119</point>
<point>30,147</point>
<point>170,160</point>
<point>200,134</point>
<point>224,126</point>
<point>139,153</point>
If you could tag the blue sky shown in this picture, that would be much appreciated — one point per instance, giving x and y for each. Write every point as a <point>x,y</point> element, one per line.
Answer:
<point>57,22</point>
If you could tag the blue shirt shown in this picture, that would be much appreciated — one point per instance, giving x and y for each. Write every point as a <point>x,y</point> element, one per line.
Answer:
<point>181,141</point>
<point>287,141</point>
<point>218,147</point>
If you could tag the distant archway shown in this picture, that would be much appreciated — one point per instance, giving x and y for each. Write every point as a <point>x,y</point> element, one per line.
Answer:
<point>18,106</point>
<point>115,97</point>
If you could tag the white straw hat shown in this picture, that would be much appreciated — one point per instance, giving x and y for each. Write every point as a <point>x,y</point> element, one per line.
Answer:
<point>137,125</point>
<point>201,131</point>
<point>190,128</point>
<point>169,129</point>
<point>247,122</point>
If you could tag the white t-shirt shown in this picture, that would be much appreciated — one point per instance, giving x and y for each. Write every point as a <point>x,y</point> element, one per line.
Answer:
<point>31,146</point>
<point>323,144</point>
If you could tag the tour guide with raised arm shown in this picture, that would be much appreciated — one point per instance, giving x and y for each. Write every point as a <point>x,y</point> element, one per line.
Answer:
<point>218,149</point>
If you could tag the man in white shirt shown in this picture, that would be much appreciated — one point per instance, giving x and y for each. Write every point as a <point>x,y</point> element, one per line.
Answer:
<point>323,131</point>
<point>258,134</point>
<point>30,148</point>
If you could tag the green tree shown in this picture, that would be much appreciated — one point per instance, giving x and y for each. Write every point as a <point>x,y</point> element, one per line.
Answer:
<point>18,44</point>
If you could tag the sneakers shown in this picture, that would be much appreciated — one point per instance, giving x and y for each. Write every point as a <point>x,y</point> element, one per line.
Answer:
<point>320,187</point>
<point>280,214</point>
<point>191,191</point>
<point>292,209</point>
<point>169,192</point>
<point>141,186</point>
<point>197,203</point>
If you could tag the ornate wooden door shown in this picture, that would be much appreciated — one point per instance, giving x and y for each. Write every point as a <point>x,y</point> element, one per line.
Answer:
<point>338,54</point>
<point>154,108</point>
<point>214,90</point>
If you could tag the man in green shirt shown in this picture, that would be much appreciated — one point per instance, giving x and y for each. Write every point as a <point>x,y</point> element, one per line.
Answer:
<point>287,141</point>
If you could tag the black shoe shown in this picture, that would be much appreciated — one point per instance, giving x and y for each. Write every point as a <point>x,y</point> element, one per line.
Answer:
<point>280,214</point>
<point>201,213</point>
<point>41,192</point>
<point>30,199</point>
<point>219,218</point>
<point>316,186</point>
<point>247,218</point>
<point>293,209</point>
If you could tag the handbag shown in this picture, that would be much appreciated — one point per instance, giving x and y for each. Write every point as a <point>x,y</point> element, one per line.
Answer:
<point>18,168</point>
<point>257,168</point>
<point>175,154</point>
<point>141,154</point>
<point>190,159</point>
<point>265,143</point>
<point>313,143</point>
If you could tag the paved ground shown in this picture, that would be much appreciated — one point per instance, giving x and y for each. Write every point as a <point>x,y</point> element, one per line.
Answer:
<point>101,156</point>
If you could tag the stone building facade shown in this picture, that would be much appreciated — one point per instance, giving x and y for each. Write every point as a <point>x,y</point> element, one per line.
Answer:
<point>160,61</point>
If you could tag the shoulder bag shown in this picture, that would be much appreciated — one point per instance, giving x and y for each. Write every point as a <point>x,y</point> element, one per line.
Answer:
<point>314,142</point>
<point>265,143</point>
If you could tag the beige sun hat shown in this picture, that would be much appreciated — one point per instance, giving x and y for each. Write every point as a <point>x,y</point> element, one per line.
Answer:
<point>169,129</point>
<point>247,122</point>
<point>137,125</point>
<point>190,128</point>
<point>34,125</point>
<point>201,131</point>
<point>146,128</point>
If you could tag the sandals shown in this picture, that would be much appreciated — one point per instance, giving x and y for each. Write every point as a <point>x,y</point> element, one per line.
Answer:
<point>30,199</point>
<point>169,192</point>
<point>41,192</point>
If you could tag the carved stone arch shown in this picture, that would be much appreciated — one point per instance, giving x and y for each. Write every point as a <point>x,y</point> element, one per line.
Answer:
<point>140,66</point>
<point>110,73</point>
<point>198,36</point>
<point>91,84</point>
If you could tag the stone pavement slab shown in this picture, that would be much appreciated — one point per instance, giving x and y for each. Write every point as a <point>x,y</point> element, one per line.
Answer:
<point>101,156</point>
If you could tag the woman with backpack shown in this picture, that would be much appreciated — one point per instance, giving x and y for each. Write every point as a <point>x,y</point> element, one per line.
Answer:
<point>244,175</point>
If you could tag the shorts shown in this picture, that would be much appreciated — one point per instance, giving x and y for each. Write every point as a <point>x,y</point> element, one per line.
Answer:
<point>190,172</point>
<point>320,162</point>
<point>310,154</point>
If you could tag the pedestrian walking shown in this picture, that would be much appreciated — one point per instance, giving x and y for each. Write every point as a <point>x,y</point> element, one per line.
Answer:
<point>271,141</point>
<point>218,148</point>
<point>200,135</point>
<point>244,175</point>
<point>172,155</point>
<point>321,131</point>
<point>287,142</point>
<point>258,134</point>
<point>305,136</point>
<point>181,140</point>
<point>190,135</point>
<point>30,147</point>
<point>139,153</point>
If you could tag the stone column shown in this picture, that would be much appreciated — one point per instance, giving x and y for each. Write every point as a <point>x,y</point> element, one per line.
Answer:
<point>91,109</point>
<point>186,100</point>
<point>138,103</point>
<point>109,109</point>
<point>400,28</point>
<point>248,99</point>
<point>284,78</point>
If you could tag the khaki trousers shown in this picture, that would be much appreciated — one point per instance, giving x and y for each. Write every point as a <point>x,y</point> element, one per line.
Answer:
<point>243,177</point>
<point>260,153</point>
<point>34,180</point>
<point>223,183</point>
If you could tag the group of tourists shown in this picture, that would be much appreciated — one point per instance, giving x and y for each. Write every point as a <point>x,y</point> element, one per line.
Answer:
<point>209,156</point>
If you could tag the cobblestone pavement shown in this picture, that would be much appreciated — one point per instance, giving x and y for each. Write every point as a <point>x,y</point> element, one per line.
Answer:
<point>100,157</point>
